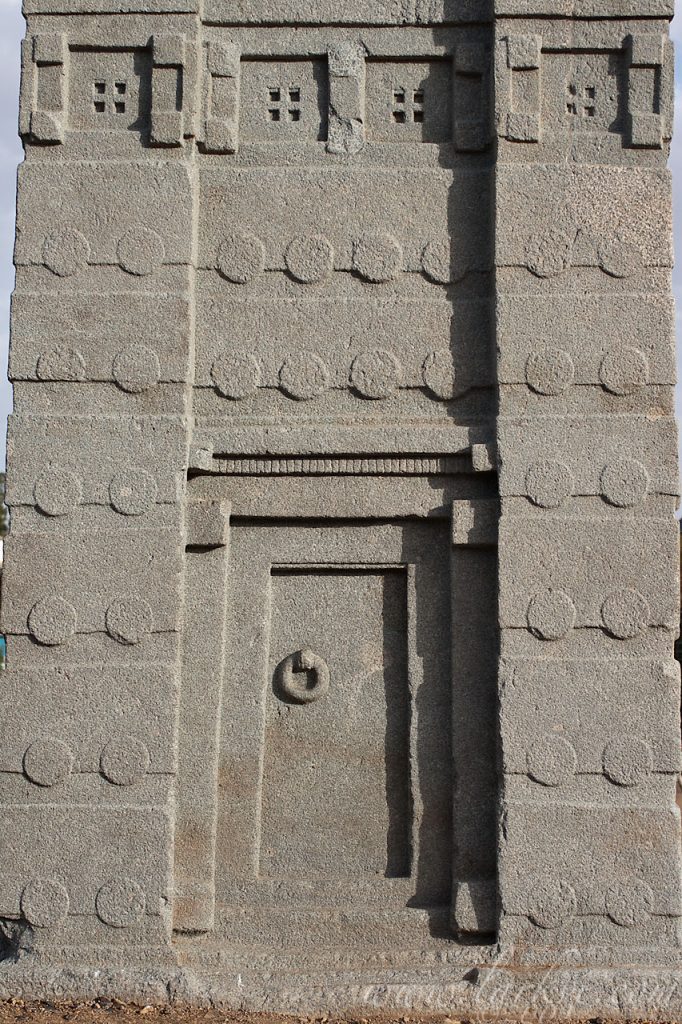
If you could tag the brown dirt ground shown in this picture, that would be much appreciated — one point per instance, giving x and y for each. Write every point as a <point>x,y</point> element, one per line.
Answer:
<point>112,1011</point>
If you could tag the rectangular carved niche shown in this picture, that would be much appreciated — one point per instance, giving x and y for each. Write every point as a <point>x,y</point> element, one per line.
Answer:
<point>336,760</point>
<point>409,101</point>
<point>110,90</point>
<point>284,100</point>
<point>337,755</point>
<point>336,771</point>
<point>583,91</point>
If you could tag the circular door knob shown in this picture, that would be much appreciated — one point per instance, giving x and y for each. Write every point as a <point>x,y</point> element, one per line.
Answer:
<point>304,677</point>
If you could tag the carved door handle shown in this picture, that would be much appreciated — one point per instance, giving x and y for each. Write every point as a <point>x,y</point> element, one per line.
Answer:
<point>294,673</point>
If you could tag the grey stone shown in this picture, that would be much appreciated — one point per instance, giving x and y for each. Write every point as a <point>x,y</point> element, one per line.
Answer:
<point>341,585</point>
<point>68,338</point>
<point>634,696</point>
<point>623,462</point>
<point>80,704</point>
<point>580,561</point>
<point>100,583</point>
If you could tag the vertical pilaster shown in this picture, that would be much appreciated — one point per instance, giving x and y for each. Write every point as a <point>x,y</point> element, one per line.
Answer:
<point>102,326</point>
<point>588,546</point>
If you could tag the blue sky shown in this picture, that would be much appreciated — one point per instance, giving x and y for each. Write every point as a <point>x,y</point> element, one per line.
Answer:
<point>11,32</point>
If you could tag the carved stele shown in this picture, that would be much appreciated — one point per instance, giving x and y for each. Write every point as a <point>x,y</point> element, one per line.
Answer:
<point>342,579</point>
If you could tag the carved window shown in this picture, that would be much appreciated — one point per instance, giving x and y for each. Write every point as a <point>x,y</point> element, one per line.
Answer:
<point>581,100</point>
<point>109,90</point>
<point>408,106</point>
<point>284,104</point>
<point>110,97</point>
<point>283,100</point>
<point>409,101</point>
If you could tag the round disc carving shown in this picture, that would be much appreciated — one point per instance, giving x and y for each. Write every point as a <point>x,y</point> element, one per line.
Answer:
<point>303,677</point>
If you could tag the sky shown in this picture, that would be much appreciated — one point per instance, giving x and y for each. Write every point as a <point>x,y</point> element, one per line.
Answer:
<point>11,33</point>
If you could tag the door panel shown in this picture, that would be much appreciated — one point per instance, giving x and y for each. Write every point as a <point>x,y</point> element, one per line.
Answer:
<point>350,792</point>
<point>336,772</point>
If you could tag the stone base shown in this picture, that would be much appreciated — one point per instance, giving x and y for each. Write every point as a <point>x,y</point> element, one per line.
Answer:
<point>493,990</point>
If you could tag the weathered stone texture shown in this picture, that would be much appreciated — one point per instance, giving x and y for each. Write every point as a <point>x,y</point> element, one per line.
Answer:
<point>341,588</point>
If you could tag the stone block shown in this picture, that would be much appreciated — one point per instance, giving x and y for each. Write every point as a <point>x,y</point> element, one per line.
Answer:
<point>316,346</point>
<point>87,461</point>
<point>245,230</point>
<point>147,221</point>
<point>548,872</point>
<point>114,864</point>
<point>88,584</point>
<point>627,735</point>
<point>560,575</point>
<point>571,205</point>
<point>60,721</point>
<point>66,338</point>
<point>618,342</point>
<point>535,464</point>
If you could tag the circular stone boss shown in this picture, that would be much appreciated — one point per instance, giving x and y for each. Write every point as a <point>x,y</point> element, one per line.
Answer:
<point>141,252</point>
<point>66,252</point>
<point>552,904</point>
<point>551,615</point>
<point>623,371</point>
<point>378,258</point>
<point>310,258</point>
<point>125,761</point>
<point>618,258</point>
<point>549,255</point>
<point>628,760</point>
<point>625,614</point>
<point>44,902</point>
<point>376,373</point>
<point>236,376</point>
<point>129,620</point>
<point>57,491</point>
<point>47,762</point>
<point>549,371</point>
<point>52,621</point>
<point>624,483</point>
<point>551,761</point>
<point>438,374</point>
<point>437,262</point>
<point>241,258</point>
<point>303,375</point>
<point>132,492</point>
<point>136,369</point>
<point>61,363</point>
<point>629,905</point>
<point>549,483</point>
<point>120,902</point>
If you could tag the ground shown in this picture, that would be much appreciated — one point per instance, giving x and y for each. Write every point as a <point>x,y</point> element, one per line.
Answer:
<point>112,1011</point>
